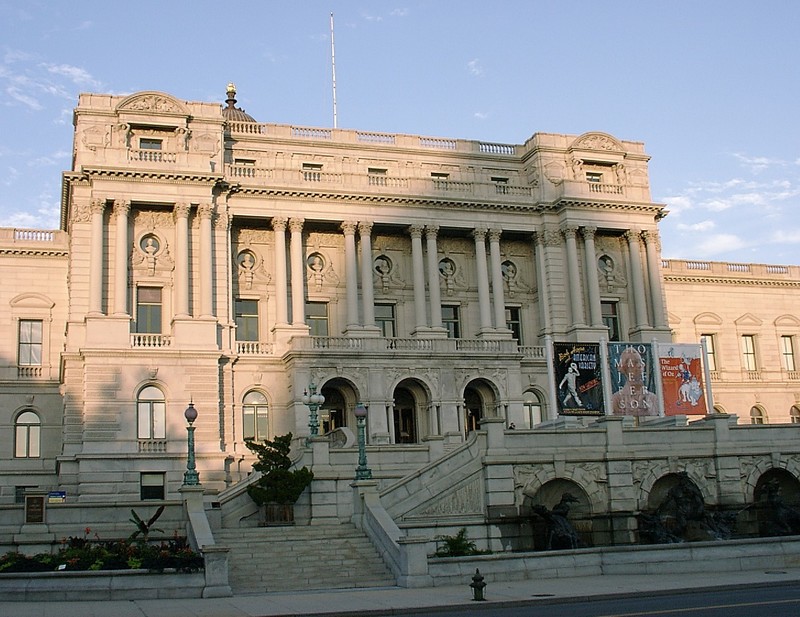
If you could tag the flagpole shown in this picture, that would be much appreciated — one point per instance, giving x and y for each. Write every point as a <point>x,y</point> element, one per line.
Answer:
<point>333,72</point>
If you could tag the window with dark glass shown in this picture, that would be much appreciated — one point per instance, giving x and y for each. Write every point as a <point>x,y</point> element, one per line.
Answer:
<point>451,321</point>
<point>246,319</point>
<point>384,319</point>
<point>29,352</point>
<point>151,485</point>
<point>148,310</point>
<point>610,319</point>
<point>513,322</point>
<point>317,318</point>
<point>147,143</point>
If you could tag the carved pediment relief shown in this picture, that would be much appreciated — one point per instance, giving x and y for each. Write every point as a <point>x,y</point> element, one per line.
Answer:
<point>464,498</point>
<point>153,103</point>
<point>602,142</point>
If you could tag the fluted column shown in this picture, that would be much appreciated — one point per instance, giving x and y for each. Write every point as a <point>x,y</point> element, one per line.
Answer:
<point>433,275</point>
<point>592,284</point>
<point>298,271</point>
<point>654,274</point>
<point>639,303</point>
<point>121,209</point>
<point>573,277</point>
<point>182,259</point>
<point>541,276</point>
<point>96,263</point>
<point>206,212</point>
<point>482,273</point>
<point>350,272</point>
<point>497,280</point>
<point>417,261</point>
<point>367,291</point>
<point>281,292</point>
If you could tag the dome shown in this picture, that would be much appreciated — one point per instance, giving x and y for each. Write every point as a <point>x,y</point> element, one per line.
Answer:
<point>231,113</point>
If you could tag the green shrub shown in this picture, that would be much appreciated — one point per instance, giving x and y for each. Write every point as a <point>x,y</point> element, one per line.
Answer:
<point>456,546</point>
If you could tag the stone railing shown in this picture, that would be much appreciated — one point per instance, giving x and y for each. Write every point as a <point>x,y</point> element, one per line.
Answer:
<point>253,348</point>
<point>30,372</point>
<point>729,270</point>
<point>152,156</point>
<point>150,341</point>
<point>153,446</point>
<point>412,345</point>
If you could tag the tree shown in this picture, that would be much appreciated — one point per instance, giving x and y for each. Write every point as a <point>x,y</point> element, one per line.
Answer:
<point>278,482</point>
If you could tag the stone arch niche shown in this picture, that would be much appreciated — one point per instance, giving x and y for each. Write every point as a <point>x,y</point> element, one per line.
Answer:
<point>411,402</point>
<point>551,496</point>
<point>776,505</point>
<point>480,401</point>
<point>337,412</point>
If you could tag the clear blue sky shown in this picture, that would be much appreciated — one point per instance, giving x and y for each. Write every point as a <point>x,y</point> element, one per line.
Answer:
<point>710,87</point>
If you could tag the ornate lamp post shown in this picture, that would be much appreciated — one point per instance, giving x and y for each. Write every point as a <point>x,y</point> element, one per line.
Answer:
<point>190,476</point>
<point>314,402</point>
<point>362,471</point>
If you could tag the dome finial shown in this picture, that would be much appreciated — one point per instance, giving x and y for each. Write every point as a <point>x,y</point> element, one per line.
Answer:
<point>231,92</point>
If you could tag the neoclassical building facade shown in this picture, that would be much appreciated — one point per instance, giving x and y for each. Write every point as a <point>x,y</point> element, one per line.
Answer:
<point>242,266</point>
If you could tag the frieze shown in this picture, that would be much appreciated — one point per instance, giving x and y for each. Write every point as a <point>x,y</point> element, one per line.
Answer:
<point>152,220</point>
<point>81,212</point>
<point>465,499</point>
<point>253,236</point>
<point>152,102</point>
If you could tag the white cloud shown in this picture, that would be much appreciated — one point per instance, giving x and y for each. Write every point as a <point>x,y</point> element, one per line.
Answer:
<point>717,244</point>
<point>480,115</point>
<point>75,74</point>
<point>399,13</point>
<point>475,67</point>
<point>701,226</point>
<point>27,100</point>
<point>678,204</point>
<point>786,236</point>
<point>757,164</point>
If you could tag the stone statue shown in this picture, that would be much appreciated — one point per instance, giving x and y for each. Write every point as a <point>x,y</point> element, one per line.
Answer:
<point>776,518</point>
<point>560,532</point>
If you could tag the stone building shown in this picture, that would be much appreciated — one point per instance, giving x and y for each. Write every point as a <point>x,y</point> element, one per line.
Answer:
<point>241,266</point>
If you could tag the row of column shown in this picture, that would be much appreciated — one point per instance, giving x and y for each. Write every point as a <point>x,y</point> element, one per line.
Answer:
<point>182,282</point>
<point>425,264</point>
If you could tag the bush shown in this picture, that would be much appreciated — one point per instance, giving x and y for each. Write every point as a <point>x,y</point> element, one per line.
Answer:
<point>456,546</point>
<point>278,483</point>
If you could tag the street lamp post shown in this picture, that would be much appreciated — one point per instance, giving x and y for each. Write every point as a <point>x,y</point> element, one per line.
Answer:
<point>362,471</point>
<point>190,476</point>
<point>314,402</point>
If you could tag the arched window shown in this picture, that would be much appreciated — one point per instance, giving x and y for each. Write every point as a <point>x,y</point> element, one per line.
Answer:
<point>757,416</point>
<point>794,414</point>
<point>532,404</point>
<point>152,414</point>
<point>255,416</point>
<point>27,429</point>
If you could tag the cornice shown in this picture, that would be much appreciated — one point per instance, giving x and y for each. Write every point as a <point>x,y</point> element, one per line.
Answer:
<point>152,175</point>
<point>608,205</point>
<point>35,252</point>
<point>710,280</point>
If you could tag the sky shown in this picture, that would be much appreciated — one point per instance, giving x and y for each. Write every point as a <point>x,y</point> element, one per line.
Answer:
<point>710,87</point>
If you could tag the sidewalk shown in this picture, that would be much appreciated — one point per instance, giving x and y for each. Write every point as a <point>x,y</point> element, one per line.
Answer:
<point>396,600</point>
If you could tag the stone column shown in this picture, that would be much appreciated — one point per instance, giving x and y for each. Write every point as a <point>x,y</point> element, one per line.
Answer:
<point>484,302</point>
<point>367,292</point>
<point>281,292</point>
<point>573,277</point>
<point>98,206</point>
<point>121,209</point>
<point>592,284</point>
<point>350,272</point>
<point>433,276</point>
<point>639,302</point>
<point>497,280</point>
<point>541,283</point>
<point>182,259</point>
<point>297,267</point>
<point>654,274</point>
<point>419,276</point>
<point>206,261</point>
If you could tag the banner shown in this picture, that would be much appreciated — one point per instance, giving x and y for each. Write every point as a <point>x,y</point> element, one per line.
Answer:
<point>577,372</point>
<point>632,379</point>
<point>682,379</point>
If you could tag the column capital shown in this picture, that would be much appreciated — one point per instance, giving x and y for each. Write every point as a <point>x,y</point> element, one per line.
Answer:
<point>632,236</point>
<point>494,235</point>
<point>279,223</point>
<point>182,210</point>
<point>348,227</point>
<point>650,236</point>
<point>97,206</point>
<point>589,232</point>
<point>479,233</point>
<point>122,207</point>
<point>296,224</point>
<point>415,231</point>
<point>570,231</point>
<point>365,228</point>
<point>431,231</point>
<point>205,211</point>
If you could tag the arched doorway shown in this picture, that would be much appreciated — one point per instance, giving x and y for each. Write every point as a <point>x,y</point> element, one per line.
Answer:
<point>341,397</point>
<point>561,497</point>
<point>480,401</point>
<point>409,411</point>
<point>776,501</point>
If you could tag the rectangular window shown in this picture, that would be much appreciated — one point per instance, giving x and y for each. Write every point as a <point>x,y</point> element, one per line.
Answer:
<point>749,352</point>
<point>711,351</point>
<point>513,323</point>
<point>148,310</point>
<point>384,319</point>
<point>246,319</point>
<point>151,485</point>
<point>610,319</point>
<point>30,343</point>
<point>148,143</point>
<point>594,176</point>
<point>787,351</point>
<point>317,318</point>
<point>438,175</point>
<point>451,321</point>
<point>19,493</point>
<point>152,420</point>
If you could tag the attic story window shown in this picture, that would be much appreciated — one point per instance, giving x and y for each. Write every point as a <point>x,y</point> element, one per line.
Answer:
<point>148,143</point>
<point>312,166</point>
<point>377,171</point>
<point>438,175</point>
<point>594,176</point>
<point>250,162</point>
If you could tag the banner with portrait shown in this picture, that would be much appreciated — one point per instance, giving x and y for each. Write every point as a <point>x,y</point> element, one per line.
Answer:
<point>578,382</point>
<point>633,384</point>
<point>682,379</point>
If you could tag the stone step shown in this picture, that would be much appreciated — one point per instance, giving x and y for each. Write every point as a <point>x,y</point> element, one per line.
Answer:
<point>291,558</point>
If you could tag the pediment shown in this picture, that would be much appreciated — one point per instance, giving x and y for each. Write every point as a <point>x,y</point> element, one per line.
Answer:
<point>748,319</point>
<point>597,142</point>
<point>32,301</point>
<point>152,102</point>
<point>787,321</point>
<point>708,319</point>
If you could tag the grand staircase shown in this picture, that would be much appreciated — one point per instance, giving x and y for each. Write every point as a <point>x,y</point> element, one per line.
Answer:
<point>302,557</point>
